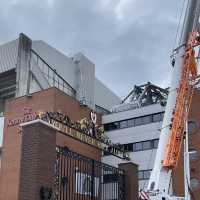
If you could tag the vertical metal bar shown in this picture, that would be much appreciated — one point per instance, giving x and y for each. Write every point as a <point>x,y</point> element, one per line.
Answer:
<point>84,171</point>
<point>112,183</point>
<point>115,182</point>
<point>48,73</point>
<point>54,78</point>
<point>63,174</point>
<point>60,180</point>
<point>70,179</point>
<point>81,173</point>
<point>92,181</point>
<point>103,184</point>
<point>73,177</point>
<point>186,164</point>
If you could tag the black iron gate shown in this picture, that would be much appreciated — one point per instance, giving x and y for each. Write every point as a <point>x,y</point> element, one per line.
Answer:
<point>81,178</point>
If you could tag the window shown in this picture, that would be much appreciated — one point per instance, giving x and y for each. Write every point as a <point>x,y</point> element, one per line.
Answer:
<point>137,146</point>
<point>194,183</point>
<point>147,119</point>
<point>147,174</point>
<point>140,175</point>
<point>111,126</point>
<point>138,121</point>
<point>157,117</point>
<point>144,174</point>
<point>147,145</point>
<point>193,154</point>
<point>191,126</point>
<point>131,122</point>
<point>123,124</point>
<point>155,144</point>
<point>141,146</point>
<point>128,147</point>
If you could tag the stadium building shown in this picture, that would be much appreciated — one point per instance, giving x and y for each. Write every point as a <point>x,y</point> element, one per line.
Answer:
<point>51,107</point>
<point>135,125</point>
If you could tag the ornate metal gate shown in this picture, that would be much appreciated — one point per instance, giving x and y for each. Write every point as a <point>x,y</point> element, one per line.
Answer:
<point>81,178</point>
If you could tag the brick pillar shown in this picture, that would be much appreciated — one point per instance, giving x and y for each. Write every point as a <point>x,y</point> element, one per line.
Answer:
<point>38,156</point>
<point>131,180</point>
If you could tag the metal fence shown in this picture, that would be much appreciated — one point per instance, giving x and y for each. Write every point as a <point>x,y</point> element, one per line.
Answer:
<point>81,178</point>
<point>53,78</point>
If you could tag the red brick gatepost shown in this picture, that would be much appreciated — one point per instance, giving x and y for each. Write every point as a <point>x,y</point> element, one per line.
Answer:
<point>38,156</point>
<point>131,180</point>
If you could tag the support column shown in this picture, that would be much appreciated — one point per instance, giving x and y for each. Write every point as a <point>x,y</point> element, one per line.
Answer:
<point>131,180</point>
<point>38,157</point>
<point>23,65</point>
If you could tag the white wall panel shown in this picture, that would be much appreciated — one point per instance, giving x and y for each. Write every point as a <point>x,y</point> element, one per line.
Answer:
<point>132,113</point>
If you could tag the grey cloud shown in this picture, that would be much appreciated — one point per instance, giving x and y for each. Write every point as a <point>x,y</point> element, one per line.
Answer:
<point>130,50</point>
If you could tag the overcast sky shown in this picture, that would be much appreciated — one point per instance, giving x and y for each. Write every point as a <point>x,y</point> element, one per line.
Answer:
<point>129,41</point>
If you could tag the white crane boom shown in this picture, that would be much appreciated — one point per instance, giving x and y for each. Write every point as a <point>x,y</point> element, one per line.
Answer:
<point>160,180</point>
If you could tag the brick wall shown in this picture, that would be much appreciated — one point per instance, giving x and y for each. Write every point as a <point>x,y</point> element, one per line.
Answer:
<point>37,160</point>
<point>47,100</point>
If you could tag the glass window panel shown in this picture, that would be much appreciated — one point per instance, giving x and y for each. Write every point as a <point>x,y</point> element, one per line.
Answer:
<point>162,116</point>
<point>128,147</point>
<point>191,126</point>
<point>131,122</point>
<point>123,124</point>
<point>194,183</point>
<point>155,144</point>
<point>140,175</point>
<point>111,126</point>
<point>147,119</point>
<point>147,174</point>
<point>137,146</point>
<point>138,121</point>
<point>193,155</point>
<point>147,145</point>
<point>157,117</point>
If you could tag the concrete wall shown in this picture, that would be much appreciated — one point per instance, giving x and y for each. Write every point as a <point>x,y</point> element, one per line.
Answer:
<point>85,80</point>
<point>104,97</point>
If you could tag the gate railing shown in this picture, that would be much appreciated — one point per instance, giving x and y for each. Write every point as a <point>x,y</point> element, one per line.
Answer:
<point>80,178</point>
<point>53,78</point>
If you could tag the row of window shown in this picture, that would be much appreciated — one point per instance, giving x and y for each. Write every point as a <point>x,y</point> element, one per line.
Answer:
<point>141,146</point>
<point>144,174</point>
<point>138,121</point>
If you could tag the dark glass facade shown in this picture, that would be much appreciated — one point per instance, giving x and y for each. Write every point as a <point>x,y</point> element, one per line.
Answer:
<point>141,146</point>
<point>144,174</point>
<point>138,121</point>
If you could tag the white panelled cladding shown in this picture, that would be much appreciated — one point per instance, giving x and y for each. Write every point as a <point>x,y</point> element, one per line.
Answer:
<point>141,140</point>
<point>77,71</point>
<point>85,80</point>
